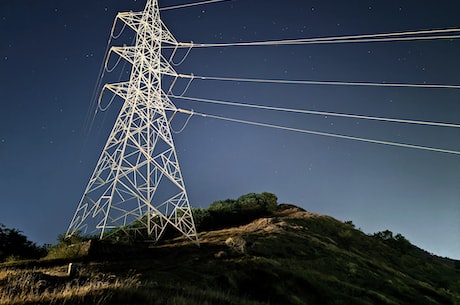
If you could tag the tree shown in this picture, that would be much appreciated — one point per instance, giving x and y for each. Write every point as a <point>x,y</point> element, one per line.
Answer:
<point>398,241</point>
<point>384,235</point>
<point>402,243</point>
<point>259,203</point>
<point>14,244</point>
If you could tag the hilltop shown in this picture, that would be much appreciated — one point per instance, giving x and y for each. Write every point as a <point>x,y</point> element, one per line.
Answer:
<point>291,256</point>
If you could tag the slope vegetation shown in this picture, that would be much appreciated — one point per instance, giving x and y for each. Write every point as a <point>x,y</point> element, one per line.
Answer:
<point>288,257</point>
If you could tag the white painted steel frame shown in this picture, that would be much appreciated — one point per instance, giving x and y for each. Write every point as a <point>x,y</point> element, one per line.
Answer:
<point>138,178</point>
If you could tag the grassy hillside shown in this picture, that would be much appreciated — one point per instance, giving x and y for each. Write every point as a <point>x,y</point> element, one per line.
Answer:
<point>289,257</point>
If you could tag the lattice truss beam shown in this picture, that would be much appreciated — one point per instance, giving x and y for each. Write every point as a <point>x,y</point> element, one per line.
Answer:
<point>137,183</point>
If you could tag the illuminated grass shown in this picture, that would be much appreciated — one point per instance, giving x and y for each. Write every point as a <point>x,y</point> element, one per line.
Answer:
<point>20,287</point>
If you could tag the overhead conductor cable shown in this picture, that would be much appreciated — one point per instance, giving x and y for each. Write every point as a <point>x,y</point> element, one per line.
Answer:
<point>315,82</point>
<point>420,147</point>
<point>314,112</point>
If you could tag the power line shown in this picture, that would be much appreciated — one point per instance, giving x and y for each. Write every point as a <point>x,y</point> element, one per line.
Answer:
<point>315,41</point>
<point>94,104</point>
<point>334,135</point>
<point>313,112</point>
<point>379,37</point>
<point>314,82</point>
<point>167,8</point>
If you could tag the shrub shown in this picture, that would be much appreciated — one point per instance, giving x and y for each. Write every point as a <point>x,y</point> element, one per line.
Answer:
<point>202,218</point>
<point>231,212</point>
<point>70,247</point>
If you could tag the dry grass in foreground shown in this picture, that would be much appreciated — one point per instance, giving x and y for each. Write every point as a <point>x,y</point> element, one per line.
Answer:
<point>54,286</point>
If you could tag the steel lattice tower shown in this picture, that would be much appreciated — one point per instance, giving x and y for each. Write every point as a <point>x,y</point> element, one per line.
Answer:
<point>137,178</point>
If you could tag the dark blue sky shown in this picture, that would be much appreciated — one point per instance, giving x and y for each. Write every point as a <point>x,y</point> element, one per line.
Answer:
<point>51,53</point>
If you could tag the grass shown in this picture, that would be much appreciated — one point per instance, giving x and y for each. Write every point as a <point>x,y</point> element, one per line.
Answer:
<point>292,258</point>
<point>45,286</point>
<point>53,286</point>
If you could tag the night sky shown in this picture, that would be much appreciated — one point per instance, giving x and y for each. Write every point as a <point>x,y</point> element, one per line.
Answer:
<point>50,59</point>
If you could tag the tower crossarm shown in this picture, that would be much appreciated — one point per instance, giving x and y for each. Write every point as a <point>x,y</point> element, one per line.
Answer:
<point>166,68</point>
<point>127,53</point>
<point>120,89</point>
<point>135,21</point>
<point>131,19</point>
<point>131,54</point>
<point>167,102</point>
<point>166,36</point>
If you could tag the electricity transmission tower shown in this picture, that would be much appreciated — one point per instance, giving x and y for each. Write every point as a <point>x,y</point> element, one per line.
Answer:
<point>137,183</point>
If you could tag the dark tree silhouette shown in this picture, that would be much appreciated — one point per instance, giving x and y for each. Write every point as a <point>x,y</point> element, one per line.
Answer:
<point>14,244</point>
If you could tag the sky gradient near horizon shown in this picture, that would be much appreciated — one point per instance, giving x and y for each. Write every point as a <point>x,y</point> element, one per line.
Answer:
<point>50,58</point>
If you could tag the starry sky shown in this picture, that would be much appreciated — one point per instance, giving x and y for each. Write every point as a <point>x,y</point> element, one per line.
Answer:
<point>50,61</point>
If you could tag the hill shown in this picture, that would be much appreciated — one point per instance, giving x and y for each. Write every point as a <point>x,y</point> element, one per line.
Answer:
<point>289,257</point>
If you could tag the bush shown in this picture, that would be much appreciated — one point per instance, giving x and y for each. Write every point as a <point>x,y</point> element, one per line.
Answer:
<point>71,247</point>
<point>230,212</point>
<point>202,218</point>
